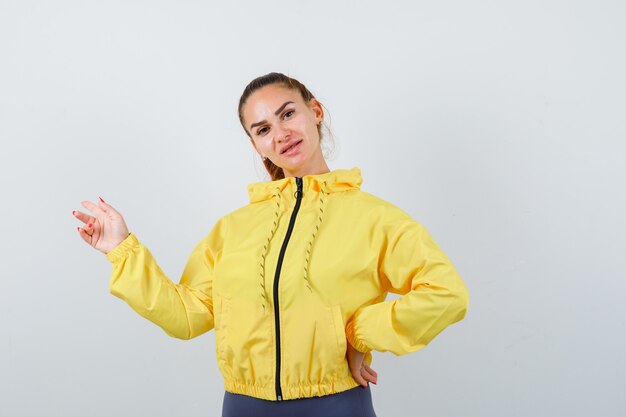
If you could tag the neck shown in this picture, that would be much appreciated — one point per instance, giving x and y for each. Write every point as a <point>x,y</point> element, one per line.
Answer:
<point>320,167</point>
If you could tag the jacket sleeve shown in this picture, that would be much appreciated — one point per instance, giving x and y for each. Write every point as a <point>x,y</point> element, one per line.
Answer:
<point>183,310</point>
<point>434,296</point>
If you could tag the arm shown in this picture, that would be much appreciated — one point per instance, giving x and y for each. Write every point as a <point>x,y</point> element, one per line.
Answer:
<point>183,310</point>
<point>434,296</point>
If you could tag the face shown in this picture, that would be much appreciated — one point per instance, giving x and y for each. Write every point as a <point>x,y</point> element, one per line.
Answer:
<point>276,118</point>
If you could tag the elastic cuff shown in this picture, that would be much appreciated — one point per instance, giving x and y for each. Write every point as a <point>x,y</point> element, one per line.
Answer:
<point>125,247</point>
<point>352,337</point>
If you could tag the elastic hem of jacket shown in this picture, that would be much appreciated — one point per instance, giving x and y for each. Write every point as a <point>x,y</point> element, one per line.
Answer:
<point>291,392</point>
<point>122,250</point>
<point>353,337</point>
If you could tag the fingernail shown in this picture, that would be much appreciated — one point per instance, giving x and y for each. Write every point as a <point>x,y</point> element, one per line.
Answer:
<point>89,225</point>
<point>101,199</point>
<point>78,228</point>
<point>73,211</point>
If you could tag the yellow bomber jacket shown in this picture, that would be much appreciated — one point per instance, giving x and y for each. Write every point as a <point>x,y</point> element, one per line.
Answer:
<point>287,280</point>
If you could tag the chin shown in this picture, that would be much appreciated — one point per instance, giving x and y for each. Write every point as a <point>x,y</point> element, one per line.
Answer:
<point>295,165</point>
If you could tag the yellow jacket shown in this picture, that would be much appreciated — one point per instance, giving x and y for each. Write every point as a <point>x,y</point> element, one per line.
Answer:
<point>287,278</point>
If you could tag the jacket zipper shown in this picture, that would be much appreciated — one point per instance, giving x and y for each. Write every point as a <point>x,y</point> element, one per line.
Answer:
<point>279,393</point>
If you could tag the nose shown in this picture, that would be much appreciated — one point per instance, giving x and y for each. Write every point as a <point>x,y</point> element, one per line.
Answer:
<point>281,133</point>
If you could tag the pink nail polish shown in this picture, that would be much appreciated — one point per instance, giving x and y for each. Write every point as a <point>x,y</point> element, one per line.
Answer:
<point>89,225</point>
<point>73,211</point>
<point>101,199</point>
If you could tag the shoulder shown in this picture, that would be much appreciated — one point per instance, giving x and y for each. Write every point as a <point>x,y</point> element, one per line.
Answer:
<point>248,211</point>
<point>387,210</point>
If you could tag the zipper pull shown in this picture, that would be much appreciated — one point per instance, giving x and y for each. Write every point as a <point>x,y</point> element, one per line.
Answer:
<point>299,190</point>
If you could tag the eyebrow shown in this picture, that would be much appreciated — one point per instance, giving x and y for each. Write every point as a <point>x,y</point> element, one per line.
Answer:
<point>276,113</point>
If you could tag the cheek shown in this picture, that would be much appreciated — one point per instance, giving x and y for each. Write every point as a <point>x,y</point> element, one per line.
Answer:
<point>303,124</point>
<point>261,146</point>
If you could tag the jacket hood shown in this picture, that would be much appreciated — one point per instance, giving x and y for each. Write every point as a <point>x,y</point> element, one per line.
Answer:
<point>315,190</point>
<point>335,181</point>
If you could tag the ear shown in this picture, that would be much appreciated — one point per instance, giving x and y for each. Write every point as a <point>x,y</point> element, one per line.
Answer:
<point>316,107</point>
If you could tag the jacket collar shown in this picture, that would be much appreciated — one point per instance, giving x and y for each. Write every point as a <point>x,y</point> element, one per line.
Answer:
<point>336,180</point>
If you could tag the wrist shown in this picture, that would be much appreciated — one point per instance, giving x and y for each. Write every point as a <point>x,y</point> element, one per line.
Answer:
<point>353,336</point>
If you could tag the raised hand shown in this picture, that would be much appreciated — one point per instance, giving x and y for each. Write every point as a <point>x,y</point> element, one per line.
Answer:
<point>103,230</point>
<point>361,372</point>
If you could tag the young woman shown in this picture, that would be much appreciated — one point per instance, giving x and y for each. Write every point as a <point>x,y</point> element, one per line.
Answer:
<point>294,283</point>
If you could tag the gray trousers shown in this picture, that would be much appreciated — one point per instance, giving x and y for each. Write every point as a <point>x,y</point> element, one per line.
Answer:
<point>355,402</point>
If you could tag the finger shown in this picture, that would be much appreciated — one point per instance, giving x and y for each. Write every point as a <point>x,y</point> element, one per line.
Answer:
<point>89,229</point>
<point>94,208</point>
<point>368,376</point>
<point>359,378</point>
<point>366,373</point>
<point>106,207</point>
<point>84,235</point>
<point>370,370</point>
<point>84,217</point>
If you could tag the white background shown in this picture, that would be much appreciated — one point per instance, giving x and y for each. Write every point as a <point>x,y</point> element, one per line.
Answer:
<point>498,125</point>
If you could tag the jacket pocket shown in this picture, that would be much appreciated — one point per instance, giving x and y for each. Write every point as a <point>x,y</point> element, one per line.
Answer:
<point>340,332</point>
<point>221,330</point>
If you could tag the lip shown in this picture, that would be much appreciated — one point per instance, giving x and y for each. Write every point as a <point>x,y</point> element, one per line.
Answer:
<point>294,148</point>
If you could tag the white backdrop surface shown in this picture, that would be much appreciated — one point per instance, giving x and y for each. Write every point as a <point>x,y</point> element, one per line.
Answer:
<point>497,125</point>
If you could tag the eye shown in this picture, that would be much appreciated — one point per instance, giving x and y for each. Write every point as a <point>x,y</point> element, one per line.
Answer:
<point>261,131</point>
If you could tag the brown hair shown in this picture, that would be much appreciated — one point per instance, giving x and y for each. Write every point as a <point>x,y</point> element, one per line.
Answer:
<point>275,171</point>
